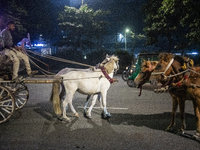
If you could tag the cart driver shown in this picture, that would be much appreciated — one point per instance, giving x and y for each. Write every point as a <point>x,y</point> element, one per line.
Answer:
<point>14,53</point>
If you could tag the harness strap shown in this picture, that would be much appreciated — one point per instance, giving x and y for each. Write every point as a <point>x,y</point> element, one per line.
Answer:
<point>106,75</point>
<point>163,73</point>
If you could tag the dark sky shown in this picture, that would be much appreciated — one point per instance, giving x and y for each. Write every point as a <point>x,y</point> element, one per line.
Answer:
<point>124,13</point>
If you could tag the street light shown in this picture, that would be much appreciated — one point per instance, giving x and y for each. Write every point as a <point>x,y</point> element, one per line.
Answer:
<point>82,2</point>
<point>127,30</point>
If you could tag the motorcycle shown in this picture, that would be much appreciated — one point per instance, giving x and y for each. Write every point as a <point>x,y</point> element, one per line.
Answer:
<point>126,73</point>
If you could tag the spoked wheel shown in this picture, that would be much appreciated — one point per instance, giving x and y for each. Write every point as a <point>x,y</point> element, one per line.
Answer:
<point>125,76</point>
<point>20,93</point>
<point>7,104</point>
<point>131,83</point>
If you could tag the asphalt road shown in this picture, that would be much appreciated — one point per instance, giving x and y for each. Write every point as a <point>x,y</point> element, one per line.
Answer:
<point>137,123</point>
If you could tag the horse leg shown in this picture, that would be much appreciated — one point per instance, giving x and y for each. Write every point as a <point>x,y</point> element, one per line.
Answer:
<point>73,110</point>
<point>86,104</point>
<point>62,93</point>
<point>196,105</point>
<point>173,113</point>
<point>66,101</point>
<point>100,101</point>
<point>88,113</point>
<point>105,114</point>
<point>182,114</point>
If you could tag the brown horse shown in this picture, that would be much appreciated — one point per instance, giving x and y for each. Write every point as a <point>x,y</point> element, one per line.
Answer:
<point>146,69</point>
<point>183,86</point>
<point>144,74</point>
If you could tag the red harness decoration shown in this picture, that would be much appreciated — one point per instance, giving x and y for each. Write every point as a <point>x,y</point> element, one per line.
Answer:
<point>106,75</point>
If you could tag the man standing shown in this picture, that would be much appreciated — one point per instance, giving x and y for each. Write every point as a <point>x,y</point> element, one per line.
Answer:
<point>14,53</point>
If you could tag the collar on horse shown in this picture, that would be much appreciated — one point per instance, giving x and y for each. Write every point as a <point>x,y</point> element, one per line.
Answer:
<point>106,75</point>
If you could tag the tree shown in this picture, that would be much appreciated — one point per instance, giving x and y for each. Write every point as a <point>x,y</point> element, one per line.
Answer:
<point>83,24</point>
<point>33,16</point>
<point>11,10</point>
<point>176,20</point>
<point>40,19</point>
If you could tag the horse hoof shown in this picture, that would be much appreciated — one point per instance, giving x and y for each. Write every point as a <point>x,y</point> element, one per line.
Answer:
<point>105,116</point>
<point>180,132</point>
<point>67,120</point>
<point>76,115</point>
<point>169,129</point>
<point>60,118</point>
<point>108,115</point>
<point>196,136</point>
<point>86,115</point>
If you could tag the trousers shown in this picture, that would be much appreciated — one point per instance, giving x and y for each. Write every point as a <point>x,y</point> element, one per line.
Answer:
<point>15,56</point>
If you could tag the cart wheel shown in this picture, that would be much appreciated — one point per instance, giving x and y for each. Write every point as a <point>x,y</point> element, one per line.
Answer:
<point>7,104</point>
<point>21,95</point>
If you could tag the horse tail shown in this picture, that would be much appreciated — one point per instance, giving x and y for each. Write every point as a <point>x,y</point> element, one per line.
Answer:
<point>55,98</point>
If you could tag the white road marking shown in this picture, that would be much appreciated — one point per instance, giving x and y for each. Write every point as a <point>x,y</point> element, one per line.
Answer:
<point>106,107</point>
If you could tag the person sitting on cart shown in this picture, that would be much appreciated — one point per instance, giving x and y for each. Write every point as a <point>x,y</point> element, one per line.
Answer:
<point>14,52</point>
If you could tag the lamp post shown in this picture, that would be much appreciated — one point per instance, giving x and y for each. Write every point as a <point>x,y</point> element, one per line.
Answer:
<point>127,30</point>
<point>82,2</point>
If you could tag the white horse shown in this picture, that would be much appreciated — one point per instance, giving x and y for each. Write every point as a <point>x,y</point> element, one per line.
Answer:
<point>88,83</point>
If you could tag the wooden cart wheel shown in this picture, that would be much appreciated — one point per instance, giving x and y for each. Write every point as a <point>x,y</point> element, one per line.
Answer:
<point>7,104</point>
<point>21,95</point>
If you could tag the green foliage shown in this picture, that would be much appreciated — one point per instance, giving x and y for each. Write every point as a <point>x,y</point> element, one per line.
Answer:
<point>30,16</point>
<point>97,56</point>
<point>83,23</point>
<point>12,10</point>
<point>177,20</point>
<point>125,59</point>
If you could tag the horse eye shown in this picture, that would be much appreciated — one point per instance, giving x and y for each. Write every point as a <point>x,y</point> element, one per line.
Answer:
<point>158,66</point>
<point>165,60</point>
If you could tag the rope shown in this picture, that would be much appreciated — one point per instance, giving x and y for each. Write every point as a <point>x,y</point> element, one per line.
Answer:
<point>42,70</point>
<point>178,73</point>
<point>49,57</point>
<point>60,59</point>
<point>182,73</point>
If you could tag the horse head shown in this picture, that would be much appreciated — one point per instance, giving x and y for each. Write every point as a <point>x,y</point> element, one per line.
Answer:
<point>168,64</point>
<point>110,63</point>
<point>145,72</point>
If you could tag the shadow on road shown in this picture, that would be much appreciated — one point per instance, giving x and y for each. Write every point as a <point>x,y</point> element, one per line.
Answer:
<point>153,121</point>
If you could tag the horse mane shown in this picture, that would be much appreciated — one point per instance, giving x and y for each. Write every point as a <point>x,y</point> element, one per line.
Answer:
<point>166,56</point>
<point>146,64</point>
<point>109,65</point>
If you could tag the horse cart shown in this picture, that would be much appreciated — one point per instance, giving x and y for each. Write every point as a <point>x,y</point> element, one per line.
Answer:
<point>14,95</point>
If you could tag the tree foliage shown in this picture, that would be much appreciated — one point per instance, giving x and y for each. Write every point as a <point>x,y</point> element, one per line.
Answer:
<point>11,10</point>
<point>83,24</point>
<point>33,16</point>
<point>176,20</point>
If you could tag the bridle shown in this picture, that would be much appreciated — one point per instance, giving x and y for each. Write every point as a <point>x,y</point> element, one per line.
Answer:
<point>163,73</point>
